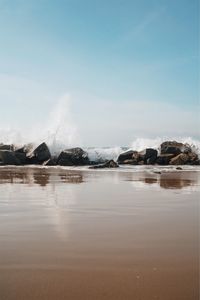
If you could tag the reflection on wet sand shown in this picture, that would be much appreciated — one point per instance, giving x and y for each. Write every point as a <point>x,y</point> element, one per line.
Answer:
<point>43,177</point>
<point>170,183</point>
<point>150,180</point>
<point>10,176</point>
<point>167,180</point>
<point>71,178</point>
<point>84,235</point>
<point>178,183</point>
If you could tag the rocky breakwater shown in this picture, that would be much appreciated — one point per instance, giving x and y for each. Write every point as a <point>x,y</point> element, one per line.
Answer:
<point>40,155</point>
<point>26,155</point>
<point>169,153</point>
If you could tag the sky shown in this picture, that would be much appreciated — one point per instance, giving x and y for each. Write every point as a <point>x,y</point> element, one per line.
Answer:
<point>105,71</point>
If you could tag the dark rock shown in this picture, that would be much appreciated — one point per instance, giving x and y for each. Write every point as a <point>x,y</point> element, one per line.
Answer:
<point>71,157</point>
<point>164,159</point>
<point>130,157</point>
<point>21,157</point>
<point>39,154</point>
<point>179,168</point>
<point>151,160</point>
<point>125,156</point>
<point>193,158</point>
<point>6,147</point>
<point>66,162</point>
<point>49,162</point>
<point>150,156</point>
<point>8,157</point>
<point>108,164</point>
<point>196,163</point>
<point>157,172</point>
<point>150,153</point>
<point>173,147</point>
<point>21,150</point>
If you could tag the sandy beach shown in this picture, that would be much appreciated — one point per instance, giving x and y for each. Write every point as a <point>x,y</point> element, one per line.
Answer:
<point>82,234</point>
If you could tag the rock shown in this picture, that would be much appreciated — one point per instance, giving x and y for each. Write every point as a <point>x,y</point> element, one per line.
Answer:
<point>21,157</point>
<point>49,162</point>
<point>130,162</point>
<point>150,156</point>
<point>6,147</point>
<point>8,157</point>
<point>21,150</point>
<point>66,162</point>
<point>73,156</point>
<point>173,147</point>
<point>190,158</point>
<point>151,160</point>
<point>180,159</point>
<point>138,156</point>
<point>193,158</point>
<point>157,172</point>
<point>196,163</point>
<point>108,164</point>
<point>164,159</point>
<point>127,155</point>
<point>179,168</point>
<point>130,157</point>
<point>150,153</point>
<point>39,154</point>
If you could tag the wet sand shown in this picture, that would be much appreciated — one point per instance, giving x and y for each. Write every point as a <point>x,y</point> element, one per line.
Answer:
<point>77,234</point>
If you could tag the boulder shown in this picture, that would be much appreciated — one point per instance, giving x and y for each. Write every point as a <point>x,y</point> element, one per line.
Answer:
<point>149,156</point>
<point>107,164</point>
<point>173,147</point>
<point>180,159</point>
<point>193,158</point>
<point>21,150</point>
<point>126,156</point>
<point>130,162</point>
<point>8,157</point>
<point>130,157</point>
<point>39,154</point>
<point>6,147</point>
<point>21,157</point>
<point>164,159</point>
<point>49,162</point>
<point>151,160</point>
<point>73,157</point>
<point>190,158</point>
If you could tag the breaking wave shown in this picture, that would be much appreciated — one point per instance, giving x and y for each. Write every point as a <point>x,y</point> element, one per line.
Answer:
<point>139,144</point>
<point>59,132</point>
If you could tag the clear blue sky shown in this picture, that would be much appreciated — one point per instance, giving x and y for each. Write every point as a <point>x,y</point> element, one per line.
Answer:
<point>128,67</point>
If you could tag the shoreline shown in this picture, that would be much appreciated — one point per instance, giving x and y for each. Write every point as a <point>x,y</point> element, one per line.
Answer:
<point>98,234</point>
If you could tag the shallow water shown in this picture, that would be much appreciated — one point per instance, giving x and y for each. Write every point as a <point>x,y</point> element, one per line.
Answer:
<point>85,234</point>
